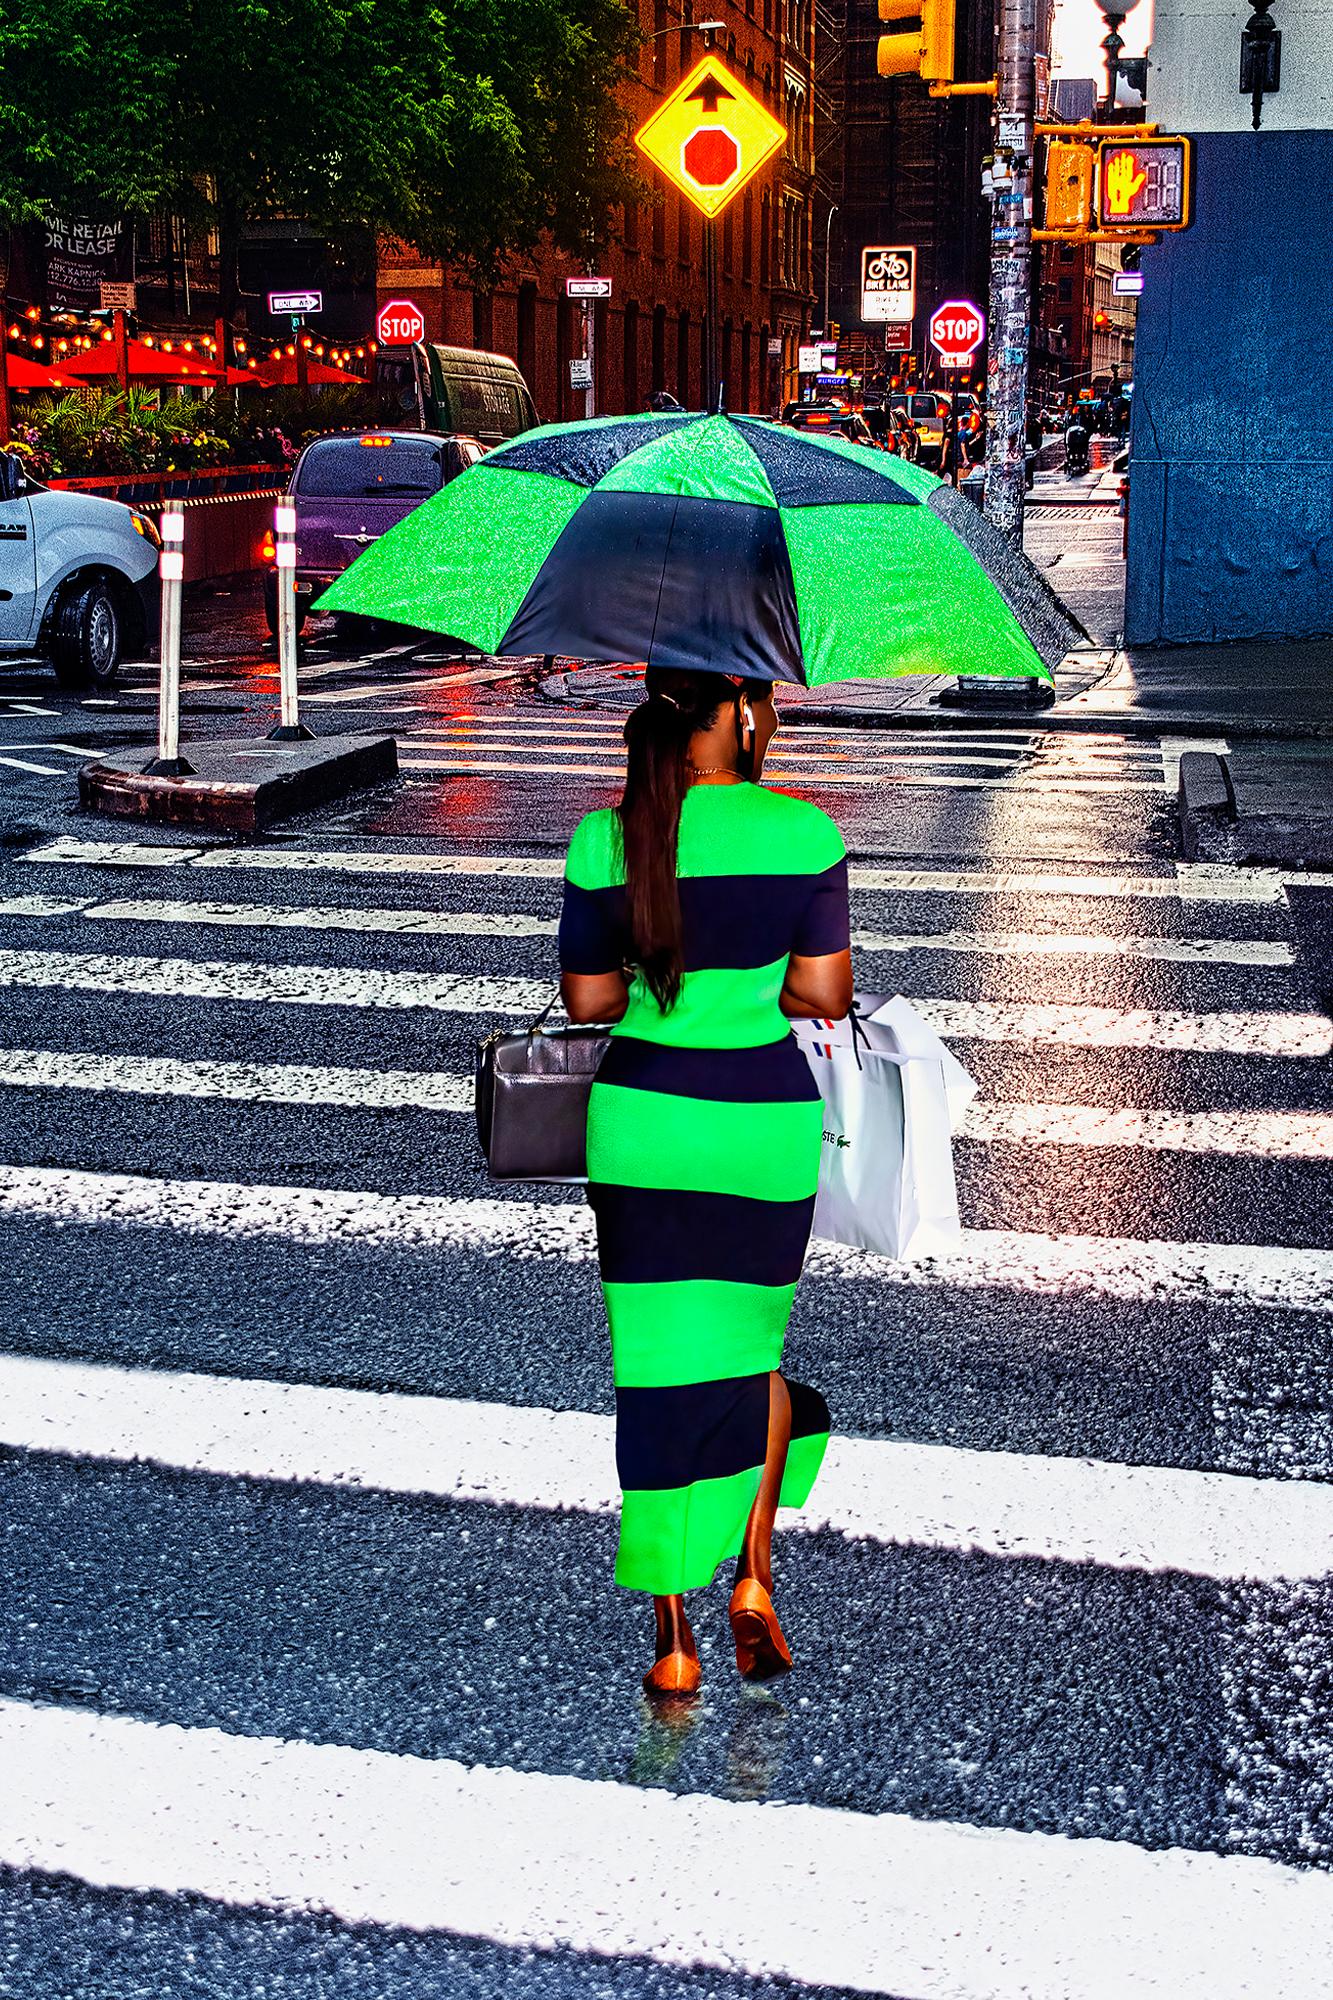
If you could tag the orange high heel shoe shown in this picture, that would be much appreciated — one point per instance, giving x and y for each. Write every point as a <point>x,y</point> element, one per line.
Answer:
<point>761,1651</point>
<point>676,1675</point>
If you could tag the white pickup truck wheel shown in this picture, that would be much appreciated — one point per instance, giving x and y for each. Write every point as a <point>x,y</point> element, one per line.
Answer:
<point>86,634</point>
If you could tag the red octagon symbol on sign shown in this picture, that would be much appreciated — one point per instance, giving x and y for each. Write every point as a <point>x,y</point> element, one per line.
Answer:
<point>399,322</point>
<point>711,156</point>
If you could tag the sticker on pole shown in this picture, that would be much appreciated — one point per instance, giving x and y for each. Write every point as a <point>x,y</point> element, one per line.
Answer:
<point>710,136</point>
<point>957,329</point>
<point>399,322</point>
<point>888,283</point>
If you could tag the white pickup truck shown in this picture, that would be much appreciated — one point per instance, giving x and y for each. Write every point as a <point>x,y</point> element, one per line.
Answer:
<point>78,578</point>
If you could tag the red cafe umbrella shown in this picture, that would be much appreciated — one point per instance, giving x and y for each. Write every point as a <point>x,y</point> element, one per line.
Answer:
<point>24,376</point>
<point>150,364</point>
<point>281,374</point>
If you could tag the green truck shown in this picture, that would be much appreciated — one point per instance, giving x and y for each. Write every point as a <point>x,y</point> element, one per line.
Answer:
<point>458,389</point>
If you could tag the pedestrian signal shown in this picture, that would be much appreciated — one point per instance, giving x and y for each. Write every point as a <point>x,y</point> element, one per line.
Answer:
<point>1069,178</point>
<point>1143,184</point>
<point>922,43</point>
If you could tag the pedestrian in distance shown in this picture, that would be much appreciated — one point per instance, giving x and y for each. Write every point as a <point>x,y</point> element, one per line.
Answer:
<point>700,915</point>
<point>1033,432</point>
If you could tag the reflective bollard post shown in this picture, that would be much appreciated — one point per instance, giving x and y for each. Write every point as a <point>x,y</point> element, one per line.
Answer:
<point>168,762</point>
<point>290,728</point>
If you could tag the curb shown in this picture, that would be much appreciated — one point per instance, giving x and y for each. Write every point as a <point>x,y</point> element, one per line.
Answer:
<point>1214,827</point>
<point>1128,722</point>
<point>227,793</point>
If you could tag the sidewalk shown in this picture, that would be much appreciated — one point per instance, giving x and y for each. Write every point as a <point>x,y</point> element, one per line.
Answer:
<point>1265,705</point>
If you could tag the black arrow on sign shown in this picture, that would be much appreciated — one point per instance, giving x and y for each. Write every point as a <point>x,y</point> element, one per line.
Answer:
<point>710,90</point>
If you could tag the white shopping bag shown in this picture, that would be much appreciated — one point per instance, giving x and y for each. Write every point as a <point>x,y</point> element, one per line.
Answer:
<point>893,1096</point>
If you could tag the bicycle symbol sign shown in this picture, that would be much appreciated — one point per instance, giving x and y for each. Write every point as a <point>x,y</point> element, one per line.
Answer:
<point>888,283</point>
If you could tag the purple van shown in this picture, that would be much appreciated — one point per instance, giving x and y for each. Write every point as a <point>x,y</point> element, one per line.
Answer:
<point>352,485</point>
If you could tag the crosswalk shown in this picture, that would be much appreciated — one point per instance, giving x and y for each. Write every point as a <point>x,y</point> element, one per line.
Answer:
<point>579,743</point>
<point>306,1436</point>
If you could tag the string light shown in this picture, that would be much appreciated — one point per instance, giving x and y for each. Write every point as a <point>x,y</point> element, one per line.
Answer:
<point>32,313</point>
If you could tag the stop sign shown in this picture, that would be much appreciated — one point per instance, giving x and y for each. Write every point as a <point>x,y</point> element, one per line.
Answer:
<point>399,322</point>
<point>957,329</point>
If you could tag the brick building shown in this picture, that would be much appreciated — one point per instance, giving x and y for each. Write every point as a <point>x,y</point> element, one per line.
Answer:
<point>650,334</point>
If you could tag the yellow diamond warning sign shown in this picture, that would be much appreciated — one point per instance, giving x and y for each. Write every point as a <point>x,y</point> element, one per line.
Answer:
<point>710,136</point>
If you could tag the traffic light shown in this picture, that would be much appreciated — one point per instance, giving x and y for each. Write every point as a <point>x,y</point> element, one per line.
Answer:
<point>1069,178</point>
<point>922,43</point>
<point>1101,320</point>
<point>1143,184</point>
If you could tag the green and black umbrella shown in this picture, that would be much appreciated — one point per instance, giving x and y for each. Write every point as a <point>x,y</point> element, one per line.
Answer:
<point>726,543</point>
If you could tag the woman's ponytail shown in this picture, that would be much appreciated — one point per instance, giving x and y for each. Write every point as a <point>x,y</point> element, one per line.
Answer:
<point>657,776</point>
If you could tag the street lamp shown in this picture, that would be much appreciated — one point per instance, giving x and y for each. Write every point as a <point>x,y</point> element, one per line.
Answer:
<point>1113,15</point>
<point>828,224</point>
<point>687,28</point>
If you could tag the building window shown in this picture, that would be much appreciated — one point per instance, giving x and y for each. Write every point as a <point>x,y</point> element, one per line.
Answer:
<point>724,370</point>
<point>747,234</point>
<point>659,42</point>
<point>631,352</point>
<point>527,332</point>
<point>564,353</point>
<point>747,338</point>
<point>765,238</point>
<point>682,229</point>
<point>1065,290</point>
<point>659,348</point>
<point>683,361</point>
<point>1066,253</point>
<point>728,239</point>
<point>659,228</point>
<point>631,225</point>
<point>483,320</point>
<point>768,17</point>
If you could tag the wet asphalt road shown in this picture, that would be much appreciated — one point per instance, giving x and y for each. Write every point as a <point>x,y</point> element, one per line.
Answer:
<point>1181,1712</point>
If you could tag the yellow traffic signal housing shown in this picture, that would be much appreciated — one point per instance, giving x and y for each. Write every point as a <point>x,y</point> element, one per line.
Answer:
<point>923,42</point>
<point>1070,172</point>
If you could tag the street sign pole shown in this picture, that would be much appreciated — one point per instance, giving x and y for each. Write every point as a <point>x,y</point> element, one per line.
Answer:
<point>590,349</point>
<point>1011,271</point>
<point>711,384</point>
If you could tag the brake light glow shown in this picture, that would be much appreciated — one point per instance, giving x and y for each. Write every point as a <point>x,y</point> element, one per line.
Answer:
<point>268,550</point>
<point>376,440</point>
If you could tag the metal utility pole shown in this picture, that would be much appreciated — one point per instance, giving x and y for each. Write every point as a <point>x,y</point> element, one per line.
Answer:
<point>711,384</point>
<point>1011,267</point>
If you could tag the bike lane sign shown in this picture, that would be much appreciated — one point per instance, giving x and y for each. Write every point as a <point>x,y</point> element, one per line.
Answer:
<point>888,283</point>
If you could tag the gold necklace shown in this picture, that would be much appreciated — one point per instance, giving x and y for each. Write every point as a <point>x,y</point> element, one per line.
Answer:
<point>710,770</point>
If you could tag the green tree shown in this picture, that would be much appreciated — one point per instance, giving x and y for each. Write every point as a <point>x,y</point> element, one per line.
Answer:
<point>467,127</point>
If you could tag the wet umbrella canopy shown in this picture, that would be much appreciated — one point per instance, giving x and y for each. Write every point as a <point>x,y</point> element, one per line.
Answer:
<point>726,543</point>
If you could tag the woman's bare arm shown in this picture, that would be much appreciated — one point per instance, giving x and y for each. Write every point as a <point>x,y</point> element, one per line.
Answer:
<point>594,996</point>
<point>818,989</point>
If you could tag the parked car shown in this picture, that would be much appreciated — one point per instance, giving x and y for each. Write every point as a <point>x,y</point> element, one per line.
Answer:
<point>349,487</point>
<point>78,577</point>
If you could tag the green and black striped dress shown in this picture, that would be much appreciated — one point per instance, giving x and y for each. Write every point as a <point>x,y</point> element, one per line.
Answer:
<point>704,1135</point>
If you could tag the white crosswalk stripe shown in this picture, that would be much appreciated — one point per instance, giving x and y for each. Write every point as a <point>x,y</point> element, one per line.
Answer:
<point>874,1903</point>
<point>988,1259</point>
<point>947,1901</point>
<point>1200,882</point>
<point>1275,1135</point>
<point>929,1496</point>
<point>1223,1033</point>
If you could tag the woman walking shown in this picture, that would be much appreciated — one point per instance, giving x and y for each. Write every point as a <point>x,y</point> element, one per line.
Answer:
<point>697,915</point>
